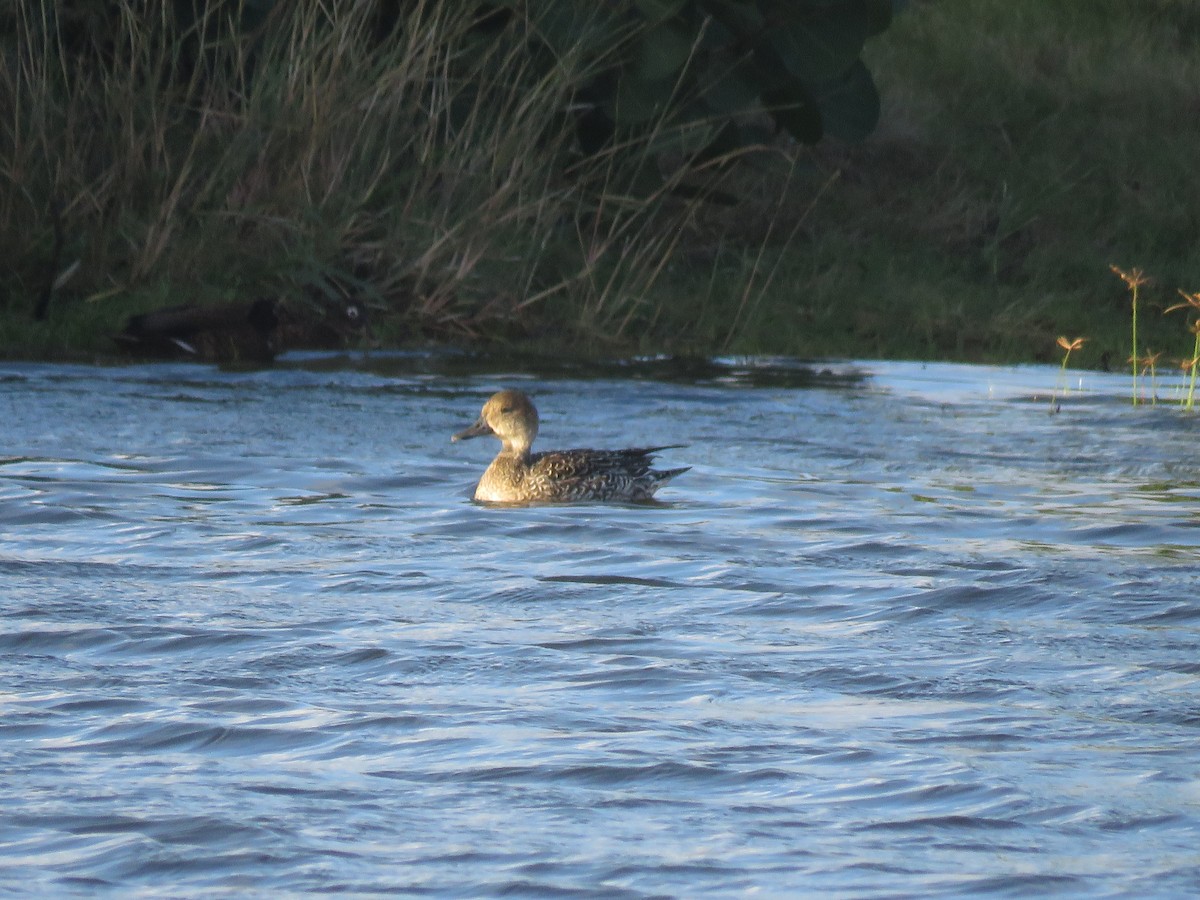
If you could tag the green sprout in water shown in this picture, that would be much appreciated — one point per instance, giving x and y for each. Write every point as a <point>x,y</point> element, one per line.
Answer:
<point>1068,346</point>
<point>1191,301</point>
<point>1133,279</point>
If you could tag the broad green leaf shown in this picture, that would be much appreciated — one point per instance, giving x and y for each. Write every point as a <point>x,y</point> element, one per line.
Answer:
<point>879,16</point>
<point>568,25</point>
<point>638,101</point>
<point>742,18</point>
<point>795,111</point>
<point>822,43</point>
<point>659,10</point>
<point>849,104</point>
<point>662,52</point>
<point>731,94</point>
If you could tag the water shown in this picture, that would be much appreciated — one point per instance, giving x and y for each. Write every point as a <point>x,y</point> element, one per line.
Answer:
<point>899,632</point>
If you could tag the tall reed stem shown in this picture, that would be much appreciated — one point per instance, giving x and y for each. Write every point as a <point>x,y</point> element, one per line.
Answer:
<point>1190,301</point>
<point>1133,280</point>
<point>1191,394</point>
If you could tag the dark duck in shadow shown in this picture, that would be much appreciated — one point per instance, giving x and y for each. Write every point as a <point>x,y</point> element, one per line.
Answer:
<point>227,332</point>
<point>244,332</point>
<point>517,475</point>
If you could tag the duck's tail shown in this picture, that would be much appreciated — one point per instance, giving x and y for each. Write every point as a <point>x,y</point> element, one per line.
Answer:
<point>662,476</point>
<point>658,477</point>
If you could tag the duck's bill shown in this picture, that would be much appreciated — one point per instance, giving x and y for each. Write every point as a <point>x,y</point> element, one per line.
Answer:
<point>479,428</point>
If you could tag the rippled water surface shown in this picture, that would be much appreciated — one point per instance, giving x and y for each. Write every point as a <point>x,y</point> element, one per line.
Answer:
<point>899,632</point>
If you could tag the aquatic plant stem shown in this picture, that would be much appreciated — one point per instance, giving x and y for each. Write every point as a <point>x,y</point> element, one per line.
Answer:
<point>1134,289</point>
<point>1189,405</point>
<point>1191,301</point>
<point>1067,346</point>
<point>1133,279</point>
<point>1151,361</point>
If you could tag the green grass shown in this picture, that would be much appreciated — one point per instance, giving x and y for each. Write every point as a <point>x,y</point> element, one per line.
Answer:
<point>1024,147</point>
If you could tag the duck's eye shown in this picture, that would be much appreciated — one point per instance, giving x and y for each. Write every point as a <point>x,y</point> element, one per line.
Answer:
<point>506,409</point>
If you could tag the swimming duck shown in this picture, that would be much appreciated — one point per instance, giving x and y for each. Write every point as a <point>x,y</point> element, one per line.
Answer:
<point>253,331</point>
<point>242,331</point>
<point>564,476</point>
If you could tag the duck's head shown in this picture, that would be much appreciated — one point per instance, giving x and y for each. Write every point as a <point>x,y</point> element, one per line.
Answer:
<point>510,416</point>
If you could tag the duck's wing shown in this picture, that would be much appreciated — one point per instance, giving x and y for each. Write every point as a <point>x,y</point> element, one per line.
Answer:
<point>566,465</point>
<point>587,475</point>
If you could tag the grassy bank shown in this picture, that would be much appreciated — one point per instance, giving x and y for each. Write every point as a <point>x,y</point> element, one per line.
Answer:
<point>1024,147</point>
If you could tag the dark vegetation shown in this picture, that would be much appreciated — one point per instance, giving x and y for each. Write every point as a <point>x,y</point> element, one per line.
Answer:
<point>687,176</point>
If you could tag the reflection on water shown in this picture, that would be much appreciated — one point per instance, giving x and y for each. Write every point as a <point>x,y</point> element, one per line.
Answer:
<point>898,632</point>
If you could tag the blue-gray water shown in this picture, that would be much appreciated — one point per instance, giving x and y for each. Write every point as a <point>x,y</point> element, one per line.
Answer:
<point>900,635</point>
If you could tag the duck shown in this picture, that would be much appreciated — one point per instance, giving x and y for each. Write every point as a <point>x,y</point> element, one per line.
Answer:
<point>245,331</point>
<point>518,475</point>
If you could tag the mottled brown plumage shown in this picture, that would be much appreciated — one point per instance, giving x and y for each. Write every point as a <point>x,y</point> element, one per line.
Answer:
<point>561,476</point>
